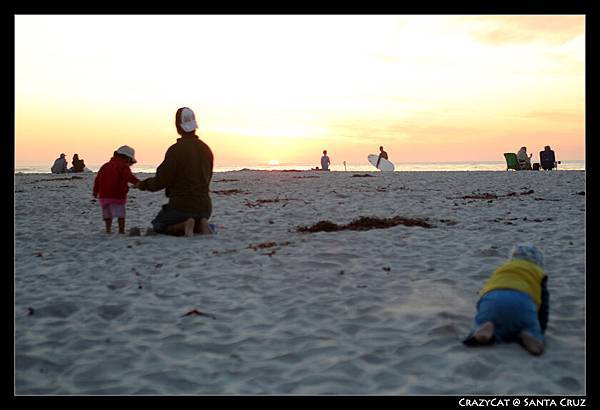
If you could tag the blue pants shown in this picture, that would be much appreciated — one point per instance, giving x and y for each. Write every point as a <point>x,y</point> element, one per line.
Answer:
<point>511,311</point>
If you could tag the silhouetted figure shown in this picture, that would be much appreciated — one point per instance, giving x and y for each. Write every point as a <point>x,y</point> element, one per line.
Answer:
<point>524,159</point>
<point>547,158</point>
<point>60,165</point>
<point>78,164</point>
<point>325,162</point>
<point>382,154</point>
<point>185,175</point>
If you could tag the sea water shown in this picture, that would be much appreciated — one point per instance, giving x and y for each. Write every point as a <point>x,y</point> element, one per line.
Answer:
<point>568,165</point>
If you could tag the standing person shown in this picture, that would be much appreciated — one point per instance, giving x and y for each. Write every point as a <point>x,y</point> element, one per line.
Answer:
<point>524,159</point>
<point>111,186</point>
<point>78,164</point>
<point>382,154</point>
<point>60,165</point>
<point>185,175</point>
<point>325,162</point>
<point>514,303</point>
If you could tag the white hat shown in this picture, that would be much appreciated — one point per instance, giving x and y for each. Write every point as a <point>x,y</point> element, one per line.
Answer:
<point>128,152</point>
<point>187,120</point>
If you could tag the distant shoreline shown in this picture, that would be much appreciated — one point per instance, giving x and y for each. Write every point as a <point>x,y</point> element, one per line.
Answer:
<point>566,165</point>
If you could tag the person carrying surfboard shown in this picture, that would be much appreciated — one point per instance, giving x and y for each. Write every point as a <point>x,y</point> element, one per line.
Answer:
<point>381,161</point>
<point>382,154</point>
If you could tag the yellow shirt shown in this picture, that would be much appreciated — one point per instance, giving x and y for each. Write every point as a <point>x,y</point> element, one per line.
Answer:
<point>517,274</point>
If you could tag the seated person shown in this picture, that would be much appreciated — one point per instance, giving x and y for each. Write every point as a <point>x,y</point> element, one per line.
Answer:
<point>60,165</point>
<point>78,164</point>
<point>547,159</point>
<point>325,162</point>
<point>524,159</point>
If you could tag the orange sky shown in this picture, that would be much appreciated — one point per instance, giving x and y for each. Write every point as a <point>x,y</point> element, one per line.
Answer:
<point>427,88</point>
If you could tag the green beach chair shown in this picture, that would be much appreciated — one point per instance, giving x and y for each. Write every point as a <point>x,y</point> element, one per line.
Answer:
<point>511,161</point>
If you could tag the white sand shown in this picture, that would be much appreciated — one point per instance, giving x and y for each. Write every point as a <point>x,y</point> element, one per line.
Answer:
<point>108,310</point>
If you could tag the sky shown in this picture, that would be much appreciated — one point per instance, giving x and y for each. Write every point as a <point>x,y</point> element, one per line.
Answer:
<point>282,88</point>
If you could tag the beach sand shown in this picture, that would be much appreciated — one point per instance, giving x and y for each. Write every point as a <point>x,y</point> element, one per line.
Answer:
<point>259,308</point>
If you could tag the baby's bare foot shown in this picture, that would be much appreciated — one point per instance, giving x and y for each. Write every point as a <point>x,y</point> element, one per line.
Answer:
<point>484,333</point>
<point>531,344</point>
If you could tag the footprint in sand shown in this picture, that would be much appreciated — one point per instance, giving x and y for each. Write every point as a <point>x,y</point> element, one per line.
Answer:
<point>110,312</point>
<point>569,383</point>
<point>475,370</point>
<point>58,309</point>
<point>489,251</point>
<point>444,330</point>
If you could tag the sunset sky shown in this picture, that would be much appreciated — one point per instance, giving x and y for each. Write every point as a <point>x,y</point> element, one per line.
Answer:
<point>427,88</point>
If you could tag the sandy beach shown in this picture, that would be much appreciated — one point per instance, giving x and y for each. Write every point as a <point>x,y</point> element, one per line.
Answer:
<point>260,308</point>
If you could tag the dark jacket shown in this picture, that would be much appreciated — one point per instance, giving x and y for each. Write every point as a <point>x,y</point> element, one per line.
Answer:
<point>112,178</point>
<point>78,165</point>
<point>185,174</point>
<point>547,159</point>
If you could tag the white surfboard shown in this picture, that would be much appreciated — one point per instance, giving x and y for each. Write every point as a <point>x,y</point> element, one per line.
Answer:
<point>384,164</point>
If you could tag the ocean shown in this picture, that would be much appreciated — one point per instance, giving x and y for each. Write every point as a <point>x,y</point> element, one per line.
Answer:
<point>569,165</point>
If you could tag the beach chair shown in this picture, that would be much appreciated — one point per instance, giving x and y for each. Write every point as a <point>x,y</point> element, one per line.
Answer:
<point>511,161</point>
<point>548,161</point>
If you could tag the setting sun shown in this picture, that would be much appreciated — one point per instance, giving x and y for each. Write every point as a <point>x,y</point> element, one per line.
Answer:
<point>428,88</point>
<point>273,162</point>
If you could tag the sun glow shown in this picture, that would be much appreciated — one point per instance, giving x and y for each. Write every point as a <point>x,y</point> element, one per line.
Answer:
<point>428,88</point>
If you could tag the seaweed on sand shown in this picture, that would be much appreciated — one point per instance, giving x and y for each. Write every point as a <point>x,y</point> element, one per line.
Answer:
<point>365,223</point>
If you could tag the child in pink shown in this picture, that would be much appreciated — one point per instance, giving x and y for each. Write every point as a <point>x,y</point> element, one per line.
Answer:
<point>111,186</point>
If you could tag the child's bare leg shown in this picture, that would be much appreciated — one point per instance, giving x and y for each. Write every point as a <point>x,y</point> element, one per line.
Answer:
<point>531,344</point>
<point>108,224</point>
<point>121,222</point>
<point>484,333</point>
<point>186,227</point>
<point>202,227</point>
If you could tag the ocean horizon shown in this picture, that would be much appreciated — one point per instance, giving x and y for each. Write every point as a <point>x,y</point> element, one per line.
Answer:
<point>567,165</point>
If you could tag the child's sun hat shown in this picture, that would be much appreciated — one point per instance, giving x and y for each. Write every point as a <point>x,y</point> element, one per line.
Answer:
<point>128,152</point>
<point>528,252</point>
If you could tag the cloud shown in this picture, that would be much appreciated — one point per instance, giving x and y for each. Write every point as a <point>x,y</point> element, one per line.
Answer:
<point>502,30</point>
<point>406,131</point>
<point>559,116</point>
